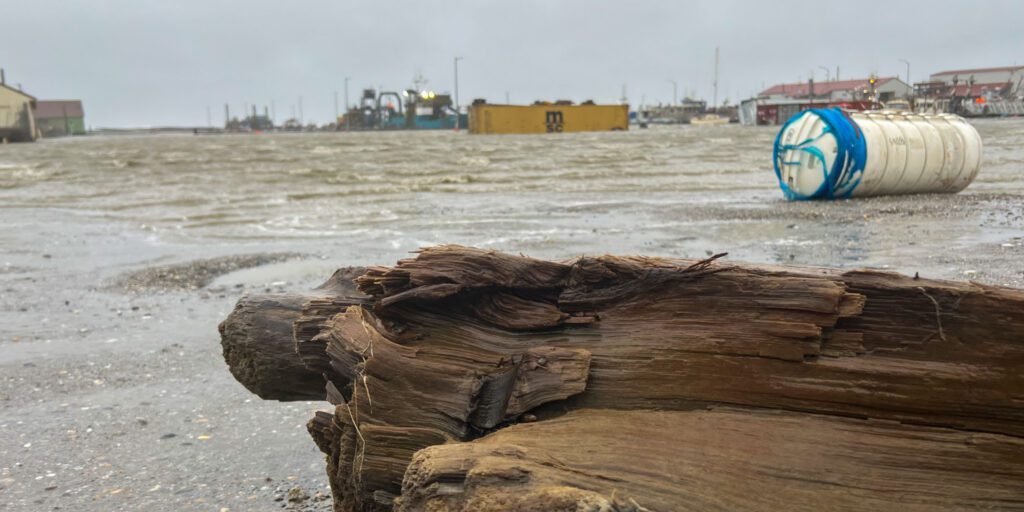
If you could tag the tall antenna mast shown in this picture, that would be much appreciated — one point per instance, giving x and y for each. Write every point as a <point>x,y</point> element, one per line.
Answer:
<point>715,101</point>
<point>418,81</point>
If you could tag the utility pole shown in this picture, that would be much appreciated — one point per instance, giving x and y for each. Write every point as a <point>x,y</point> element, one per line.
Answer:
<point>347,124</point>
<point>828,73</point>
<point>458,116</point>
<point>715,101</point>
<point>905,61</point>
<point>335,106</point>
<point>675,92</point>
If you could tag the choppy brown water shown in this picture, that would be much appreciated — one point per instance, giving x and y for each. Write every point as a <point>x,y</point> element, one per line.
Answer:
<point>672,191</point>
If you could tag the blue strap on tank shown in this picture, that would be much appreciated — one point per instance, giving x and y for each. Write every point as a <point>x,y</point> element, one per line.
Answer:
<point>842,179</point>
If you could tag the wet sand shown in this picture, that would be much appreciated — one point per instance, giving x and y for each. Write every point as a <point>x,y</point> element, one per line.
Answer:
<point>113,394</point>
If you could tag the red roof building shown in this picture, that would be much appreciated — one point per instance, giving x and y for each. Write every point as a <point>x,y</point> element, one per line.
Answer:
<point>1004,81</point>
<point>53,109</point>
<point>1000,74</point>
<point>60,117</point>
<point>976,90</point>
<point>885,88</point>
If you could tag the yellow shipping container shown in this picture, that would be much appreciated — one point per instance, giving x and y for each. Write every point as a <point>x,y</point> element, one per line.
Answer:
<point>547,118</point>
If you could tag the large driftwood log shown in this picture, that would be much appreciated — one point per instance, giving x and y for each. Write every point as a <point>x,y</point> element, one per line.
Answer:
<point>257,338</point>
<point>433,360</point>
<point>729,460</point>
<point>459,343</point>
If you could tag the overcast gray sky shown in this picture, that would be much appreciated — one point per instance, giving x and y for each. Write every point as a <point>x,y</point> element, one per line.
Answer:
<point>146,63</point>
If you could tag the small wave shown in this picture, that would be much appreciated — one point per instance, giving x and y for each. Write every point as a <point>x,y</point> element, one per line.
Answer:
<point>124,164</point>
<point>464,178</point>
<point>793,242</point>
<point>12,175</point>
<point>324,150</point>
<point>474,161</point>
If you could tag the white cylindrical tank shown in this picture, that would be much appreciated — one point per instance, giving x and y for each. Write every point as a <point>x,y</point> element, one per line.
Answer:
<point>830,154</point>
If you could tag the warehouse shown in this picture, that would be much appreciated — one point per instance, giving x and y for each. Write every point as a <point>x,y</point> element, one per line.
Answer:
<point>1012,75</point>
<point>973,92</point>
<point>17,123</point>
<point>778,103</point>
<point>883,89</point>
<point>56,118</point>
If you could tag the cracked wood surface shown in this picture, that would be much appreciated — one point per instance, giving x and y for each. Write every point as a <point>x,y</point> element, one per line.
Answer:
<point>258,338</point>
<point>458,343</point>
<point>727,460</point>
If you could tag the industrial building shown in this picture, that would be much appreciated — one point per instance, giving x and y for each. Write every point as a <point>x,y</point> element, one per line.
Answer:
<point>973,92</point>
<point>411,109</point>
<point>983,76</point>
<point>55,118</point>
<point>255,122</point>
<point>882,89</point>
<point>17,124</point>
<point>778,103</point>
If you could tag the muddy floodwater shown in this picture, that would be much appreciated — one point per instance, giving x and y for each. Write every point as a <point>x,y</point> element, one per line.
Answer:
<point>119,256</point>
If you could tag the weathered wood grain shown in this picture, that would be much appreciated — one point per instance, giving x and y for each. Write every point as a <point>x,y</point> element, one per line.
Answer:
<point>727,460</point>
<point>458,346</point>
<point>258,339</point>
<point>655,334</point>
